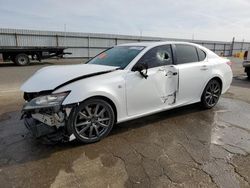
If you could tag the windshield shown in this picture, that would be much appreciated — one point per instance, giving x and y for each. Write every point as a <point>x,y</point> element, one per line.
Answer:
<point>119,56</point>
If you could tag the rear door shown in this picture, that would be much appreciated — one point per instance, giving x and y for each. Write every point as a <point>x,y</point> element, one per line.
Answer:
<point>194,72</point>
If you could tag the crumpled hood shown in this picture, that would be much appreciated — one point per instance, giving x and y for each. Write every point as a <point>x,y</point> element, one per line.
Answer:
<point>50,77</point>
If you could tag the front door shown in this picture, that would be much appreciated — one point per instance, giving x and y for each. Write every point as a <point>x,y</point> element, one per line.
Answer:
<point>158,90</point>
<point>172,84</point>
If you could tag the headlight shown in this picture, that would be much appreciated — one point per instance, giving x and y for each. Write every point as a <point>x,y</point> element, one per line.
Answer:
<point>46,101</point>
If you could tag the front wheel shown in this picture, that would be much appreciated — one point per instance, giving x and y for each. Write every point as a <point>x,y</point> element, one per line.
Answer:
<point>211,94</point>
<point>91,121</point>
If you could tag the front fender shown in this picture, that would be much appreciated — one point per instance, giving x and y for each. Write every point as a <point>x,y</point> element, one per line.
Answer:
<point>81,91</point>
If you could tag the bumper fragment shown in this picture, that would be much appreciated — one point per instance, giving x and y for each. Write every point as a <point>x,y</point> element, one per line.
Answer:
<point>37,128</point>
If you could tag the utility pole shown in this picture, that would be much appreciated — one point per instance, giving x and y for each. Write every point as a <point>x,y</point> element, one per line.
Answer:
<point>64,35</point>
<point>242,45</point>
<point>140,34</point>
<point>232,46</point>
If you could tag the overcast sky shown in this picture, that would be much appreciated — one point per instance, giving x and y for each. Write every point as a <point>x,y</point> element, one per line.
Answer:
<point>201,19</point>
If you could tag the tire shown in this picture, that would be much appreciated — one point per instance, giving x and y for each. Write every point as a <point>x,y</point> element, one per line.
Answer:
<point>211,94</point>
<point>248,74</point>
<point>91,121</point>
<point>22,59</point>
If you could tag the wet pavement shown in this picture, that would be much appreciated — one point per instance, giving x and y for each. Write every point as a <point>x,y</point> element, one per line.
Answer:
<point>184,147</point>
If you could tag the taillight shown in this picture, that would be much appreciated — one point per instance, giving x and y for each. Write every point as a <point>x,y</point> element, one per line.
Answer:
<point>230,63</point>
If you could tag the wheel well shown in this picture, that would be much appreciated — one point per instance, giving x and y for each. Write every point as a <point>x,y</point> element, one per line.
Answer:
<point>219,80</point>
<point>108,101</point>
<point>214,78</point>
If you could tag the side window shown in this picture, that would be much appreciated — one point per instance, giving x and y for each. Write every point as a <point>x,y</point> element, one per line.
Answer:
<point>201,54</point>
<point>186,54</point>
<point>157,56</point>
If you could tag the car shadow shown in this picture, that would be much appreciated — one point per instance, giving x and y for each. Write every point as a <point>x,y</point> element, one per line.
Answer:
<point>155,118</point>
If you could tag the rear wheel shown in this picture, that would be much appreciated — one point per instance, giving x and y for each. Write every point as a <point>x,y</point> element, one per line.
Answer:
<point>22,59</point>
<point>211,94</point>
<point>91,121</point>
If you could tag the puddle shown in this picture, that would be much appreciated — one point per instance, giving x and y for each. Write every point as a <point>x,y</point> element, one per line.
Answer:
<point>231,127</point>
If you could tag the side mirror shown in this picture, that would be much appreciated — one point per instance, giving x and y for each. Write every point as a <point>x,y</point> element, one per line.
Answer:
<point>142,69</point>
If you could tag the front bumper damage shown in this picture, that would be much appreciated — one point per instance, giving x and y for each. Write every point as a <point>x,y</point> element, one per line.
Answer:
<point>49,124</point>
<point>37,128</point>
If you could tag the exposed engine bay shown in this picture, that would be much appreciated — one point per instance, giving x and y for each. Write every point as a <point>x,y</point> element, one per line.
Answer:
<point>48,124</point>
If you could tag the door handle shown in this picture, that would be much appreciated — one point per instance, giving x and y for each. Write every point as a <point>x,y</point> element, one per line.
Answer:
<point>174,73</point>
<point>204,67</point>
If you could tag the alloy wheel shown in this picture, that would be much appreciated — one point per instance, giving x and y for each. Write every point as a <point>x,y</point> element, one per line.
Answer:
<point>93,121</point>
<point>212,93</point>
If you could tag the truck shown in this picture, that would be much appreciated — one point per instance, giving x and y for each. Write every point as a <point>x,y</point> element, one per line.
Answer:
<point>22,55</point>
<point>246,62</point>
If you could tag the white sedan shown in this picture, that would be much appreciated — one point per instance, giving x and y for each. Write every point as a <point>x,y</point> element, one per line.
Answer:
<point>122,83</point>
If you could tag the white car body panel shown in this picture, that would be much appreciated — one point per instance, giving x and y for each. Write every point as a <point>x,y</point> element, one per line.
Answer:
<point>49,78</point>
<point>111,86</point>
<point>133,95</point>
<point>192,78</point>
<point>155,94</point>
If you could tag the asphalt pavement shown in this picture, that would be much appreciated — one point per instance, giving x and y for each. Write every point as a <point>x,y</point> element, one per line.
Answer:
<point>184,147</point>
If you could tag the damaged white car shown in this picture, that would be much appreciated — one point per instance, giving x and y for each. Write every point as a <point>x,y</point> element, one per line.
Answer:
<point>122,83</point>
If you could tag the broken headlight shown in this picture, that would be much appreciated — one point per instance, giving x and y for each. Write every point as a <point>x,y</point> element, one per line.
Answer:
<point>46,101</point>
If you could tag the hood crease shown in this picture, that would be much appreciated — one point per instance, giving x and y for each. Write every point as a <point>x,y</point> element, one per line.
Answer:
<point>54,77</point>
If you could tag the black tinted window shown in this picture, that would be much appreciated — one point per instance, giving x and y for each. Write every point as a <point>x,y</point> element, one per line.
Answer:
<point>201,54</point>
<point>186,54</point>
<point>157,56</point>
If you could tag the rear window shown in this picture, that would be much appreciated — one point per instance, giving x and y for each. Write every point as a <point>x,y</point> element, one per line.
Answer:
<point>186,54</point>
<point>201,54</point>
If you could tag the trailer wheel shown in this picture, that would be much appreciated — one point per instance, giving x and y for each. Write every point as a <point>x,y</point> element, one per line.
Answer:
<point>22,59</point>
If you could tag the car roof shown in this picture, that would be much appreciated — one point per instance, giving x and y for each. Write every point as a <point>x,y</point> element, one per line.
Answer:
<point>153,44</point>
